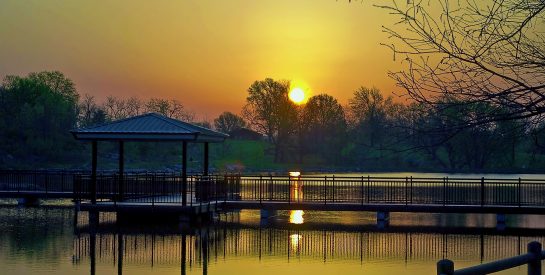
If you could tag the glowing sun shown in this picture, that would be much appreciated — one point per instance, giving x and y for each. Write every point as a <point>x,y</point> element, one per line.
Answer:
<point>297,95</point>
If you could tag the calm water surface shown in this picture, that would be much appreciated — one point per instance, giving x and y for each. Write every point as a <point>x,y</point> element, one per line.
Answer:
<point>51,240</point>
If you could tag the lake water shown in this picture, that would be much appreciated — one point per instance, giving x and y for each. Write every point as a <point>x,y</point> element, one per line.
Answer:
<point>51,240</point>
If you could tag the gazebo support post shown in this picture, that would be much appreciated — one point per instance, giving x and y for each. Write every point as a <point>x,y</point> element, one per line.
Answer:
<point>206,183</point>
<point>205,165</point>
<point>184,173</point>
<point>94,172</point>
<point>121,168</point>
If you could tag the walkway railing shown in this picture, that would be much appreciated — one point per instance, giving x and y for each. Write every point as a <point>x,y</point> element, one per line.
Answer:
<point>532,259</point>
<point>153,188</point>
<point>37,181</point>
<point>391,190</point>
<point>167,188</point>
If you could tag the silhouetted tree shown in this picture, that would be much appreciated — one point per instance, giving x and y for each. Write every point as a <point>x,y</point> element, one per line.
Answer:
<point>473,51</point>
<point>170,108</point>
<point>323,127</point>
<point>269,111</point>
<point>90,113</point>
<point>227,122</point>
<point>373,118</point>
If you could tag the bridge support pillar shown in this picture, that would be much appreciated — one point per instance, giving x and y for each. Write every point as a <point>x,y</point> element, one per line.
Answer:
<point>383,216</point>
<point>28,201</point>
<point>93,219</point>
<point>501,221</point>
<point>265,213</point>
<point>383,219</point>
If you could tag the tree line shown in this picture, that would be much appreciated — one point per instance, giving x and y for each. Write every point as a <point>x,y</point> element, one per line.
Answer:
<point>371,132</point>
<point>376,132</point>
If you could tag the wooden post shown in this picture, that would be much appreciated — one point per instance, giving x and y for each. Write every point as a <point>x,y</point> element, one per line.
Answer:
<point>94,172</point>
<point>534,266</point>
<point>184,173</point>
<point>205,170</point>
<point>445,267</point>
<point>121,168</point>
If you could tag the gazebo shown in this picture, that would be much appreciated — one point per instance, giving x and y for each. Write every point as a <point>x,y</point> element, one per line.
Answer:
<point>145,128</point>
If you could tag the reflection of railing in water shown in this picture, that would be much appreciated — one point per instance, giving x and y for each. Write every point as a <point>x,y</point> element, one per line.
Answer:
<point>225,243</point>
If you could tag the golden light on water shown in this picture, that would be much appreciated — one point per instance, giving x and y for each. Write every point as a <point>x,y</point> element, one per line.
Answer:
<point>296,216</point>
<point>294,241</point>
<point>295,174</point>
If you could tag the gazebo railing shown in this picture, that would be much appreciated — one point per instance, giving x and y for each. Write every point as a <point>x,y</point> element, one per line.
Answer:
<point>151,188</point>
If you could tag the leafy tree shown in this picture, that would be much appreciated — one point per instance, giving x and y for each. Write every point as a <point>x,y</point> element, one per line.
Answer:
<point>323,127</point>
<point>269,110</point>
<point>227,122</point>
<point>37,112</point>
<point>373,120</point>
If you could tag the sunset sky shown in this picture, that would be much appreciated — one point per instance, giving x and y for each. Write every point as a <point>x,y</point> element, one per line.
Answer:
<point>203,53</point>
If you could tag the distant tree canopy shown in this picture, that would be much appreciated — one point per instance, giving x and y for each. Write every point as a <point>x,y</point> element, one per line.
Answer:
<point>36,114</point>
<point>119,108</point>
<point>323,127</point>
<point>227,122</point>
<point>373,132</point>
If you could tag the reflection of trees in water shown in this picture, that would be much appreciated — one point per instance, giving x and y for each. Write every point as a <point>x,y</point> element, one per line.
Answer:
<point>42,234</point>
<point>319,245</point>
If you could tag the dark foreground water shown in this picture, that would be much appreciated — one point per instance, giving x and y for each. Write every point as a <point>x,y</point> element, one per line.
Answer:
<point>50,240</point>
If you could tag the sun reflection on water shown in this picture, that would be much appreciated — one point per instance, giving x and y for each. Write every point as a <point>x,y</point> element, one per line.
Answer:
<point>296,216</point>
<point>294,241</point>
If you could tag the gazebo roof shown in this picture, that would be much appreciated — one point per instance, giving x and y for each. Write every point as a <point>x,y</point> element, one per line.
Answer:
<point>150,127</point>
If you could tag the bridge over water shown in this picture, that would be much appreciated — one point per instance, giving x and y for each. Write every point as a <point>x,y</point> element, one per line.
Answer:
<point>196,194</point>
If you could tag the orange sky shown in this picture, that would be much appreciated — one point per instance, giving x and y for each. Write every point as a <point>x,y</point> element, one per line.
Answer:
<point>204,53</point>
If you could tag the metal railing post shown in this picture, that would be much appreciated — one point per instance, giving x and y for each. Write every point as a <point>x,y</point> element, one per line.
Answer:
<point>260,189</point>
<point>411,189</point>
<point>482,192</point>
<point>534,266</point>
<point>362,190</point>
<point>325,189</point>
<point>444,191</point>
<point>518,192</point>
<point>289,189</point>
<point>445,267</point>
<point>406,190</point>
<point>333,189</point>
<point>271,188</point>
<point>368,187</point>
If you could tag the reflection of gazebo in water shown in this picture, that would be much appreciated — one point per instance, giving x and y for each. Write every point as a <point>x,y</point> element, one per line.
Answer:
<point>146,128</point>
